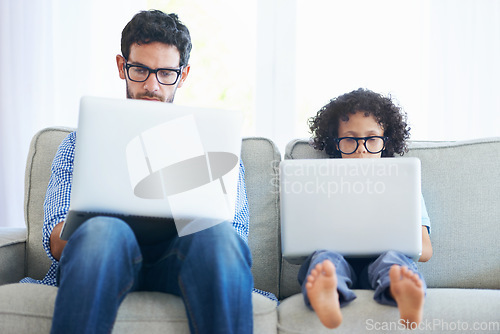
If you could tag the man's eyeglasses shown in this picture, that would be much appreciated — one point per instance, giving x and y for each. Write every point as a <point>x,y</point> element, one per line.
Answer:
<point>165,76</point>
<point>349,145</point>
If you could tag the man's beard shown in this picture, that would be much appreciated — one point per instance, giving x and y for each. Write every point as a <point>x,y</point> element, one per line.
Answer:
<point>150,95</point>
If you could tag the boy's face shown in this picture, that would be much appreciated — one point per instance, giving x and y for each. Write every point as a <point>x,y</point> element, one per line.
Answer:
<point>153,55</point>
<point>360,125</point>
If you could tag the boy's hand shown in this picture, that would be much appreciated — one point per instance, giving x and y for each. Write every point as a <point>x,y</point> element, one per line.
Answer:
<point>426,246</point>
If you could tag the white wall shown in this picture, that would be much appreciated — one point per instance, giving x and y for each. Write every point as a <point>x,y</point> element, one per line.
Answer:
<point>438,58</point>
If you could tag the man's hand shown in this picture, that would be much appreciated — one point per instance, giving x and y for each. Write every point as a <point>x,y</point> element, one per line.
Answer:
<point>56,244</point>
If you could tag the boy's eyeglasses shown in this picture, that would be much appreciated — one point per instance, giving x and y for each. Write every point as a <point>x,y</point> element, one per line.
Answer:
<point>349,145</point>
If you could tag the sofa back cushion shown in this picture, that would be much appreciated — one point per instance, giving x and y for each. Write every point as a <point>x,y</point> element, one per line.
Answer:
<point>260,157</point>
<point>460,185</point>
<point>41,153</point>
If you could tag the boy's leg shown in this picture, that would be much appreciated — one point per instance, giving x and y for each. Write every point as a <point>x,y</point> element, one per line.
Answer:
<point>210,270</point>
<point>325,288</point>
<point>98,266</point>
<point>321,287</point>
<point>346,277</point>
<point>407,290</point>
<point>397,282</point>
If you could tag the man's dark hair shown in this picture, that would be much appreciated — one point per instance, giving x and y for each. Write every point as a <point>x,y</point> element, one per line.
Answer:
<point>325,125</point>
<point>156,26</point>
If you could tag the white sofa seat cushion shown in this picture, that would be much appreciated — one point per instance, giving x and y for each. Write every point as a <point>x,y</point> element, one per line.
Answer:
<point>445,311</point>
<point>28,308</point>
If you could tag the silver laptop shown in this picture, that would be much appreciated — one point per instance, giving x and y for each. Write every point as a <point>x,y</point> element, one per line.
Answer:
<point>164,169</point>
<point>356,207</point>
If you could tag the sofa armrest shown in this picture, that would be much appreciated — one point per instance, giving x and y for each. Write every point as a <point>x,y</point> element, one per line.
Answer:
<point>12,254</point>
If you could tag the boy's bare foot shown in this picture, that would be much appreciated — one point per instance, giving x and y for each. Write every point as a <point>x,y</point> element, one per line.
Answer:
<point>407,290</point>
<point>321,289</point>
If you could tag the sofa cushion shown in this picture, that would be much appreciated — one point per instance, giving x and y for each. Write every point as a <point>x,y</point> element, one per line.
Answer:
<point>28,308</point>
<point>261,159</point>
<point>38,168</point>
<point>460,185</point>
<point>12,253</point>
<point>445,311</point>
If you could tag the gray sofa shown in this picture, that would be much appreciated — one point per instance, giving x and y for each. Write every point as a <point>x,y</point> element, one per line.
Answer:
<point>461,186</point>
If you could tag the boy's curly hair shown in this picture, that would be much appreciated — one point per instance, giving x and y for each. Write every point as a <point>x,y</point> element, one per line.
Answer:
<point>325,125</point>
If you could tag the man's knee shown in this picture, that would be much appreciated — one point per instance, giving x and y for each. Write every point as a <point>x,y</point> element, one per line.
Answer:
<point>104,227</point>
<point>100,235</point>
<point>221,244</point>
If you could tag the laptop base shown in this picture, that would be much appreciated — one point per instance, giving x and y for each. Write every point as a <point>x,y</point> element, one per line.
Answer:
<point>147,230</point>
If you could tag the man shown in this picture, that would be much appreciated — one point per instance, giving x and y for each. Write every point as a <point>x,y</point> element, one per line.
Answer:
<point>102,261</point>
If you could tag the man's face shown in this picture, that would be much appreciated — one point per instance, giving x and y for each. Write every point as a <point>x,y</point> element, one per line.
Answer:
<point>153,55</point>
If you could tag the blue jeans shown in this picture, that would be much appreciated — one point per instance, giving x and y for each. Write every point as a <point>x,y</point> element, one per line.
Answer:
<point>102,262</point>
<point>358,274</point>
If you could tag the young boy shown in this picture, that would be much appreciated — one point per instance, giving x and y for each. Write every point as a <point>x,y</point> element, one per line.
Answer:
<point>363,124</point>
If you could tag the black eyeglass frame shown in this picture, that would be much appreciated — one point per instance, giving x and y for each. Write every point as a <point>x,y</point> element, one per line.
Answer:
<point>176,70</point>
<point>357,139</point>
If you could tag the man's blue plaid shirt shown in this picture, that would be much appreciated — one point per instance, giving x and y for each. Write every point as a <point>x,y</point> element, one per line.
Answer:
<point>57,202</point>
